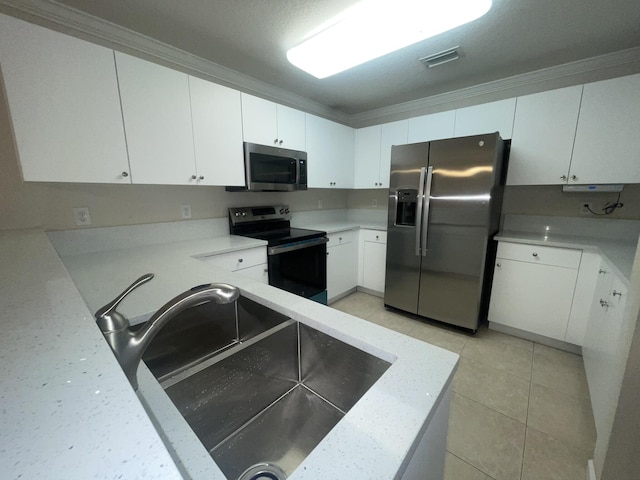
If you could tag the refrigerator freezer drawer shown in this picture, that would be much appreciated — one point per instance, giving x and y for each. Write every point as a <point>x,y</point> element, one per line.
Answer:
<point>559,257</point>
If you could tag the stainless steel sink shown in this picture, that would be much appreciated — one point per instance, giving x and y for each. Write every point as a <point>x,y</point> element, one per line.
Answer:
<point>264,400</point>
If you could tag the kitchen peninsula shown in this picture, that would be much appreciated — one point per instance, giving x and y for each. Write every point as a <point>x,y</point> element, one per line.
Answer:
<point>70,411</point>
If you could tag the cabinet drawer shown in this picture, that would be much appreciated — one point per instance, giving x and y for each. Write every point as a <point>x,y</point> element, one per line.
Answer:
<point>239,259</point>
<point>559,257</point>
<point>340,238</point>
<point>374,236</point>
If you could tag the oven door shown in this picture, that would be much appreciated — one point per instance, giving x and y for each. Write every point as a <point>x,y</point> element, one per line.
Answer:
<point>299,267</point>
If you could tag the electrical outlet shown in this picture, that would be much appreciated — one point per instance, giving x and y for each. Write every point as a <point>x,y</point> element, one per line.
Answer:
<point>584,209</point>
<point>374,203</point>
<point>185,211</point>
<point>320,204</point>
<point>82,216</point>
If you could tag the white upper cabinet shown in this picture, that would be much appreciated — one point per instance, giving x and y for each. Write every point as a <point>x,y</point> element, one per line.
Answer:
<point>607,146</point>
<point>543,133</point>
<point>217,133</point>
<point>63,99</point>
<point>367,165</point>
<point>330,153</point>
<point>394,133</point>
<point>486,118</point>
<point>373,153</point>
<point>436,126</point>
<point>157,118</point>
<point>268,123</point>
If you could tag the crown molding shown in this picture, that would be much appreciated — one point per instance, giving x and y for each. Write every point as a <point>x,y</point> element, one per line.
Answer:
<point>77,23</point>
<point>80,24</point>
<point>538,80</point>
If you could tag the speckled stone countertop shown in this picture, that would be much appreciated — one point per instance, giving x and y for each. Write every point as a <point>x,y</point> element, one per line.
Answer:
<point>372,441</point>
<point>341,226</point>
<point>67,410</point>
<point>619,253</point>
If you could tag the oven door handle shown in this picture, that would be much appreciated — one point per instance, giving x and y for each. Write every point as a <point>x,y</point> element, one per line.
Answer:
<point>298,246</point>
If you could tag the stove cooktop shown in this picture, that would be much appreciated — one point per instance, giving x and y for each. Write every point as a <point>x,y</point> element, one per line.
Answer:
<point>286,235</point>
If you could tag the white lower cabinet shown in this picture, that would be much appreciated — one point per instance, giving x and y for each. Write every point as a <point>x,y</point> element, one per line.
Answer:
<point>533,288</point>
<point>251,262</point>
<point>342,263</point>
<point>373,257</point>
<point>605,350</point>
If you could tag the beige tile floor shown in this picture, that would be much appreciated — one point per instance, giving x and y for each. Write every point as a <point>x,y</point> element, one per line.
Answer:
<point>520,410</point>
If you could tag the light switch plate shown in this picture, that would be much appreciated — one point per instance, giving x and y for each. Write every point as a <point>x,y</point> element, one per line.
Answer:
<point>82,216</point>
<point>185,211</point>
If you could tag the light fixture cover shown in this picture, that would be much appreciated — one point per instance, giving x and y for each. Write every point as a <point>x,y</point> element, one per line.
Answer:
<point>373,28</point>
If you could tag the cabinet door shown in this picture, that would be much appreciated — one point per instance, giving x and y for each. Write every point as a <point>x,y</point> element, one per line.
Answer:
<point>607,141</point>
<point>374,265</point>
<point>342,269</point>
<point>259,120</point>
<point>217,133</point>
<point>394,133</point>
<point>63,98</point>
<point>436,126</point>
<point>157,119</point>
<point>532,297</point>
<point>543,133</point>
<point>583,297</point>
<point>486,118</point>
<point>331,153</point>
<point>291,128</point>
<point>259,273</point>
<point>367,162</point>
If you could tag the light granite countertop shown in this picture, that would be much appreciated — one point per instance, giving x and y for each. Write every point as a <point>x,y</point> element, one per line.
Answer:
<point>341,226</point>
<point>67,410</point>
<point>378,433</point>
<point>619,253</point>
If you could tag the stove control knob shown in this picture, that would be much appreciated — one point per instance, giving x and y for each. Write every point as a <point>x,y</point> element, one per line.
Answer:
<point>286,210</point>
<point>244,214</point>
<point>281,211</point>
<point>237,214</point>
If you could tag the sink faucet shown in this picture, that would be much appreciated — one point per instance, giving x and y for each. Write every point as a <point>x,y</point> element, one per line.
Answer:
<point>128,345</point>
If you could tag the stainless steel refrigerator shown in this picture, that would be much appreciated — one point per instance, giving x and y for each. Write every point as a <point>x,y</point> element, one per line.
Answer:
<point>445,198</point>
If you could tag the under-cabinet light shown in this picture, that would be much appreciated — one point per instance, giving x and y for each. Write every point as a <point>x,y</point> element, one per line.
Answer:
<point>373,28</point>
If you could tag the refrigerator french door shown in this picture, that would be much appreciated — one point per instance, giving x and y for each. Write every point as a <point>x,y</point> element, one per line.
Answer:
<point>444,207</point>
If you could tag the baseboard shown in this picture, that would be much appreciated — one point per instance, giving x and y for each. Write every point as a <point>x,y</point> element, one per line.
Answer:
<point>534,337</point>
<point>341,295</point>
<point>375,293</point>
<point>591,470</point>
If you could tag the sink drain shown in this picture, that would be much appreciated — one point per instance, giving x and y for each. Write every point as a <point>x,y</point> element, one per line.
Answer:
<point>263,471</point>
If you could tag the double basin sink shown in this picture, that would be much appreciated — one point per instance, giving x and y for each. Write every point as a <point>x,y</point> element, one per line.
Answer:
<point>259,390</point>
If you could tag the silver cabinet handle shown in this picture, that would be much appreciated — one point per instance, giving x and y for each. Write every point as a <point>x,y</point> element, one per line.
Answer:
<point>339,239</point>
<point>535,254</point>
<point>193,177</point>
<point>604,303</point>
<point>275,142</point>
<point>498,265</point>
<point>280,142</point>
<point>125,174</point>
<point>240,260</point>
<point>201,177</point>
<point>377,237</point>
<point>617,293</point>
<point>601,271</point>
<point>573,177</point>
<point>563,177</point>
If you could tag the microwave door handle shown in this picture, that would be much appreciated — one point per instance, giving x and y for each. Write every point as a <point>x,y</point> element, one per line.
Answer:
<point>297,172</point>
<point>419,202</point>
<point>427,203</point>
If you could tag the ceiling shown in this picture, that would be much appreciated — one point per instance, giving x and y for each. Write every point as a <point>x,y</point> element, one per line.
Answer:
<point>252,37</point>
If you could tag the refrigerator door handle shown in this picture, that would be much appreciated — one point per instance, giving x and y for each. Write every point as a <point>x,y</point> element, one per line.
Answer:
<point>427,202</point>
<point>419,204</point>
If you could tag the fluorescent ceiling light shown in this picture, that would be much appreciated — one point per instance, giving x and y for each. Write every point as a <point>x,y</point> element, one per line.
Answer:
<point>373,28</point>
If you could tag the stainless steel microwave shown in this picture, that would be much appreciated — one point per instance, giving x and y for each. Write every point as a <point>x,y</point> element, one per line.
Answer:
<point>273,169</point>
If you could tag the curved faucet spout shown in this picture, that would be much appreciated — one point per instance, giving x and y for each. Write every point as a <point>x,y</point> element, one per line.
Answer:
<point>129,346</point>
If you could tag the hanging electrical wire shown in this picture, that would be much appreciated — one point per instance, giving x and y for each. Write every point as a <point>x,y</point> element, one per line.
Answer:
<point>609,208</point>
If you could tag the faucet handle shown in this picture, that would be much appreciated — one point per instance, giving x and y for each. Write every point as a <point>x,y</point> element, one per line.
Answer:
<point>108,318</point>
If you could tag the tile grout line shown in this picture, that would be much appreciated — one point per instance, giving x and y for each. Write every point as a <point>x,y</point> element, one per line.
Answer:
<point>472,466</point>
<point>490,408</point>
<point>526,425</point>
